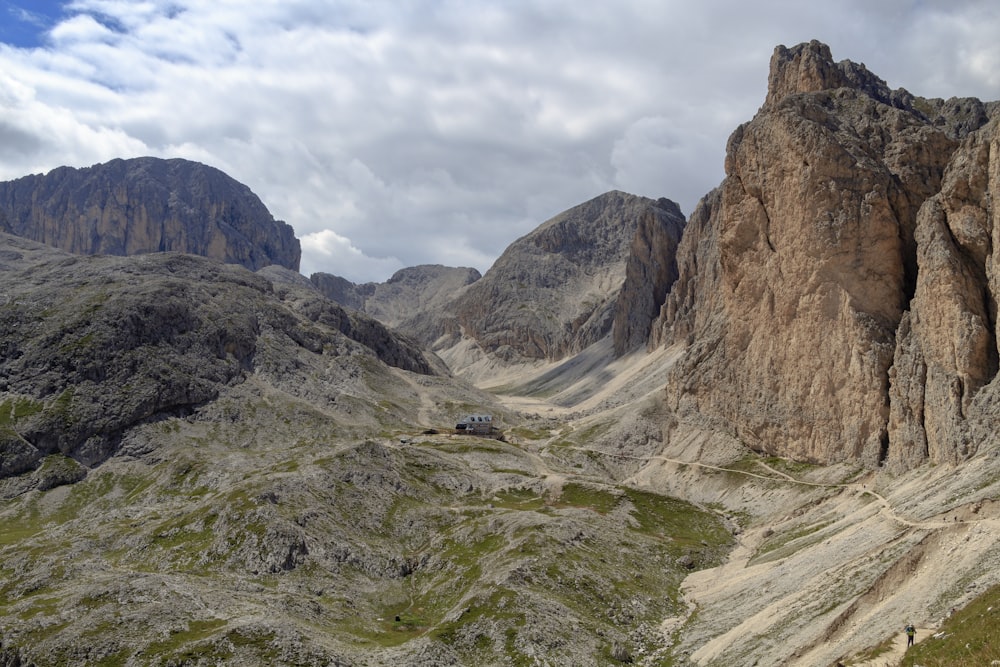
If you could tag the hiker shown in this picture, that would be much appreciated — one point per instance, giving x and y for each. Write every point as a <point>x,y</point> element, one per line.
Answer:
<point>910,632</point>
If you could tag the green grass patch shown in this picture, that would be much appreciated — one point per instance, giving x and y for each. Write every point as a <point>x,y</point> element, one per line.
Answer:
<point>489,622</point>
<point>790,467</point>
<point>518,499</point>
<point>663,516</point>
<point>470,444</point>
<point>195,645</point>
<point>781,545</point>
<point>186,541</point>
<point>967,637</point>
<point>591,433</point>
<point>513,471</point>
<point>587,497</point>
<point>196,631</point>
<point>12,410</point>
<point>20,528</point>
<point>43,604</point>
<point>469,554</point>
<point>525,433</point>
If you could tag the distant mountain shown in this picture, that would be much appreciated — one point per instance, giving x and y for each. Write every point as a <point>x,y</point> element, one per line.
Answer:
<point>603,265</point>
<point>143,205</point>
<point>602,268</point>
<point>407,294</point>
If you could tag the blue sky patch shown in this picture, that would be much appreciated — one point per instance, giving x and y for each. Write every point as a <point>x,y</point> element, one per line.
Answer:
<point>25,23</point>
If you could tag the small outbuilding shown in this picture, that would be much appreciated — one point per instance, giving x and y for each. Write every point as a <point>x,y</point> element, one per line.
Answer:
<point>475,424</point>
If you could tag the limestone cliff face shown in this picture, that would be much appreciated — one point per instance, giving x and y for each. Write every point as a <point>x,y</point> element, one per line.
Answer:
<point>650,272</point>
<point>142,205</point>
<point>797,272</point>
<point>943,379</point>
<point>556,290</point>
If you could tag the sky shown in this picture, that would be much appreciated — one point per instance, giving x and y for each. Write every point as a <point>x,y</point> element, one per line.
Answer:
<point>393,134</point>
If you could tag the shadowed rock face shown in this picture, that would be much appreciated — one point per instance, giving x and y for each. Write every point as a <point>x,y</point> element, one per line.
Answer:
<point>796,274</point>
<point>944,394</point>
<point>650,273</point>
<point>143,205</point>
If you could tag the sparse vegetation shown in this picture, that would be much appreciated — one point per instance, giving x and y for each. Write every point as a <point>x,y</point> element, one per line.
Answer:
<point>967,637</point>
<point>781,545</point>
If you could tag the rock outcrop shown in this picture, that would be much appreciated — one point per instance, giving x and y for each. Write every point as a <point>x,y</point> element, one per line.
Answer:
<point>342,290</point>
<point>943,392</point>
<point>797,272</point>
<point>143,205</point>
<point>650,272</point>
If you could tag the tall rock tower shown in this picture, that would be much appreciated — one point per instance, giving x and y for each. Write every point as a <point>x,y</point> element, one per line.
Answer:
<point>797,272</point>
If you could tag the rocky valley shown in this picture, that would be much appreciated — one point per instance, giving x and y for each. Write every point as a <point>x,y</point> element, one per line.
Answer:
<point>763,434</point>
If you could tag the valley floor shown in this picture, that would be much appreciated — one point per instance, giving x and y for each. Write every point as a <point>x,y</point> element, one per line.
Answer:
<point>272,529</point>
<point>831,562</point>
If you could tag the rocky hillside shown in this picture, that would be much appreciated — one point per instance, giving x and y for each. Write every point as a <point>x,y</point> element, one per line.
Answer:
<point>204,465</point>
<point>144,205</point>
<point>91,347</point>
<point>834,291</point>
<point>409,293</point>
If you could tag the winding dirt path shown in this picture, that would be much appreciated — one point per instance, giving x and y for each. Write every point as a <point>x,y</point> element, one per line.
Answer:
<point>897,650</point>
<point>886,507</point>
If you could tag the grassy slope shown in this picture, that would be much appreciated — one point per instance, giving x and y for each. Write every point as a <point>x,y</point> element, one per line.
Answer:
<point>242,543</point>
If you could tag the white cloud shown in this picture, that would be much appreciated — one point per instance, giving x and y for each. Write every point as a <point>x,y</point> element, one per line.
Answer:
<point>82,28</point>
<point>393,134</point>
<point>329,252</point>
<point>657,151</point>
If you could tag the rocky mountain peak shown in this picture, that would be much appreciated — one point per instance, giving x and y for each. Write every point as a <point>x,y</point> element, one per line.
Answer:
<point>809,68</point>
<point>409,293</point>
<point>147,204</point>
<point>559,289</point>
<point>845,249</point>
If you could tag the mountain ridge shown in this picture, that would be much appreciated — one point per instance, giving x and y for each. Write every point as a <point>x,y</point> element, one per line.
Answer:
<point>142,205</point>
<point>597,269</point>
<point>94,346</point>
<point>799,457</point>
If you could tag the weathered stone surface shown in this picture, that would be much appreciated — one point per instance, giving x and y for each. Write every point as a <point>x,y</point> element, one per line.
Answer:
<point>342,290</point>
<point>809,68</point>
<point>650,273</point>
<point>946,355</point>
<point>804,262</point>
<point>143,205</point>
